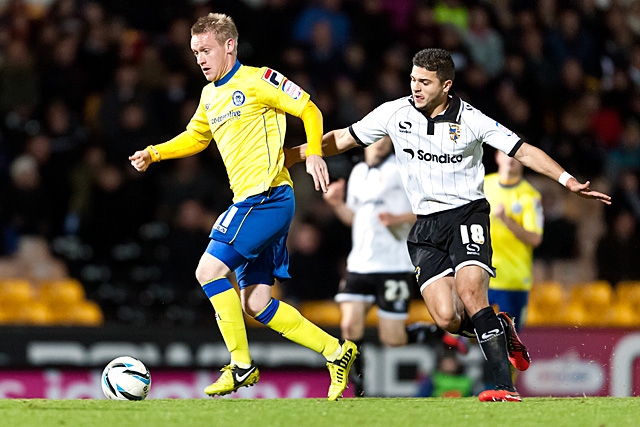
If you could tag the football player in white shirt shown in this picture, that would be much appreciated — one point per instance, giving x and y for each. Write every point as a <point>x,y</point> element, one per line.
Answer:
<point>379,270</point>
<point>438,139</point>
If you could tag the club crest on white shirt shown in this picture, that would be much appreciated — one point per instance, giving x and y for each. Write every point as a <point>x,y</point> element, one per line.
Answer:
<point>454,132</point>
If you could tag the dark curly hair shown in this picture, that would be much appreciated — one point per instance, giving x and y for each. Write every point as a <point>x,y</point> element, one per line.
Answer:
<point>438,60</point>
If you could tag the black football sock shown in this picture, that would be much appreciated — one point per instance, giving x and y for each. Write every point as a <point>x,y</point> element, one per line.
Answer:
<point>493,343</point>
<point>356,373</point>
<point>424,333</point>
<point>467,328</point>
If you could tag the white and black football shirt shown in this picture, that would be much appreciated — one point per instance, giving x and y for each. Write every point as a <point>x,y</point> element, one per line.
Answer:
<point>440,159</point>
<point>376,248</point>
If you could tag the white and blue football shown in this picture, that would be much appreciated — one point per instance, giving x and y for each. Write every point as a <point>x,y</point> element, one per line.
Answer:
<point>126,378</point>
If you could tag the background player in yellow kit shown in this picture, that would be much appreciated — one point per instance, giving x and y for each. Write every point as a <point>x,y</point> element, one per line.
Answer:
<point>243,110</point>
<point>516,229</point>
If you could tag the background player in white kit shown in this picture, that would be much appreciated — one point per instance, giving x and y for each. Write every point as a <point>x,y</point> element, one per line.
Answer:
<point>379,270</point>
<point>438,139</point>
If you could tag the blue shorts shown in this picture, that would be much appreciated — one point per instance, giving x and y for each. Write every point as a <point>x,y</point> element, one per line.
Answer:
<point>251,237</point>
<point>513,302</point>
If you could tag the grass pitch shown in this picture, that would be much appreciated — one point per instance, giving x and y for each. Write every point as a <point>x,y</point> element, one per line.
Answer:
<point>366,412</point>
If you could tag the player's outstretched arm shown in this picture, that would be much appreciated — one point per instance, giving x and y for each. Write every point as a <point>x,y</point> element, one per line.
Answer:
<point>583,190</point>
<point>537,160</point>
<point>389,220</point>
<point>335,197</point>
<point>184,145</point>
<point>316,166</point>
<point>333,142</point>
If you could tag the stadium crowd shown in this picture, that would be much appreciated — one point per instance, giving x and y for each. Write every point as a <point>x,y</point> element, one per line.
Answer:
<point>85,83</point>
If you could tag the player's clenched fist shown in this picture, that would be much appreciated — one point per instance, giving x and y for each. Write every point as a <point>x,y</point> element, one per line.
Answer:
<point>140,160</point>
<point>335,192</point>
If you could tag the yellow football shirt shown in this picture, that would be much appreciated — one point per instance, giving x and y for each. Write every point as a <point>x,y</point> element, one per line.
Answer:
<point>512,258</point>
<point>244,113</point>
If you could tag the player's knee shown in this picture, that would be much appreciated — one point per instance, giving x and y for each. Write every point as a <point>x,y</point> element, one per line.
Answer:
<point>351,331</point>
<point>447,320</point>
<point>204,273</point>
<point>255,305</point>
<point>200,276</point>
<point>393,340</point>
<point>251,311</point>
<point>472,297</point>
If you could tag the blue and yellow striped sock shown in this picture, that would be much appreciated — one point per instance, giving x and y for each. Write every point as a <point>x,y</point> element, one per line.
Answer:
<point>287,320</point>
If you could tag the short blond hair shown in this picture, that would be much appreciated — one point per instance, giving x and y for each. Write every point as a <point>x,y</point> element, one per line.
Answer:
<point>219,24</point>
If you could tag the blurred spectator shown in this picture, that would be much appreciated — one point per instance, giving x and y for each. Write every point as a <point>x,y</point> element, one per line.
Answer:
<point>325,101</point>
<point>627,154</point>
<point>505,13</point>
<point>60,146</point>
<point>62,77</point>
<point>98,52</point>
<point>32,260</point>
<point>451,40</point>
<point>573,144</point>
<point>448,379</point>
<point>116,211</point>
<point>65,129</point>
<point>124,90</point>
<point>389,83</point>
<point>547,14</point>
<point>515,87</point>
<point>370,27</point>
<point>570,40</point>
<point>541,72</point>
<point>83,177</point>
<point>618,93</point>
<point>452,12</point>
<point>423,31</point>
<point>485,44</point>
<point>573,82</point>
<point>626,191</point>
<point>329,12</point>
<point>606,120</point>
<point>312,275</point>
<point>190,179</point>
<point>153,71</point>
<point>138,16</point>
<point>188,237</point>
<point>399,12</point>
<point>21,95</point>
<point>175,51</point>
<point>18,78</point>
<point>323,58</point>
<point>65,14</point>
<point>560,240</point>
<point>167,101</point>
<point>25,204</point>
<point>617,39</point>
<point>618,252</point>
<point>133,132</point>
<point>277,17</point>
